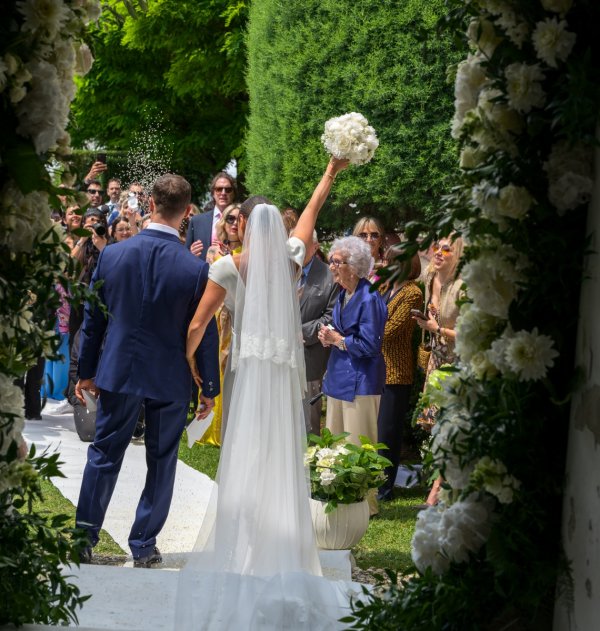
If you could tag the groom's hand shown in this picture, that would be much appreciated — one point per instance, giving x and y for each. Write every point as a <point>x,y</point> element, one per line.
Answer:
<point>206,405</point>
<point>85,384</point>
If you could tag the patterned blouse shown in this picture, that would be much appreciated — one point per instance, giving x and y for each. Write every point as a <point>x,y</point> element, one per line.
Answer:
<point>398,350</point>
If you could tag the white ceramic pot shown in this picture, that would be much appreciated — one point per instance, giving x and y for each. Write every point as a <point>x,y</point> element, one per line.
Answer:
<point>341,529</point>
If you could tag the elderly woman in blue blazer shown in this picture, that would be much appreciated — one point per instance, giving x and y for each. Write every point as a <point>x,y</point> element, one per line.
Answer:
<point>356,369</point>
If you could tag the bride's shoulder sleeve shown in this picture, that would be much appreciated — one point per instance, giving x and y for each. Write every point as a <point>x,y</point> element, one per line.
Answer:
<point>220,272</point>
<point>296,250</point>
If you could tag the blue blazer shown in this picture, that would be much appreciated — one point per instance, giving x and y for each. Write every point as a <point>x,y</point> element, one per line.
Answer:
<point>200,229</point>
<point>151,286</point>
<point>360,370</point>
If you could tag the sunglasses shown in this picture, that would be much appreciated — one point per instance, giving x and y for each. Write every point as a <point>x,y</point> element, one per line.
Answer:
<point>446,250</point>
<point>336,263</point>
<point>95,191</point>
<point>224,189</point>
<point>365,236</point>
<point>231,219</point>
<point>137,193</point>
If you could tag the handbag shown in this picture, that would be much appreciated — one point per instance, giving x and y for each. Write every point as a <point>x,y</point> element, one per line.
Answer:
<point>423,353</point>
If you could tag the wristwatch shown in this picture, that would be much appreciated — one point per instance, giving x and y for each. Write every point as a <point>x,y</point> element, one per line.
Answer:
<point>342,344</point>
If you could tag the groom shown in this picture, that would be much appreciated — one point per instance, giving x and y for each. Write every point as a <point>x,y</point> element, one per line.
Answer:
<point>134,354</point>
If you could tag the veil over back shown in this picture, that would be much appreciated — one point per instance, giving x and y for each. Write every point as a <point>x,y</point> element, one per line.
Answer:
<point>255,564</point>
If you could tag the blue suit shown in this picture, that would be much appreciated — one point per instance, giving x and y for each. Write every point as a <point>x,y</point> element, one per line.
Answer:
<point>200,229</point>
<point>151,286</point>
<point>361,369</point>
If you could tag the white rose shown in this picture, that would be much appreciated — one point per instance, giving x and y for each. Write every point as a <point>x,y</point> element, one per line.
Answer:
<point>351,137</point>
<point>523,86</point>
<point>514,201</point>
<point>552,41</point>
<point>557,6</point>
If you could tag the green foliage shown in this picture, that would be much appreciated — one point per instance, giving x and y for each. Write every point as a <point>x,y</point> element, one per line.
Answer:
<point>341,472</point>
<point>312,60</point>
<point>177,64</point>
<point>33,546</point>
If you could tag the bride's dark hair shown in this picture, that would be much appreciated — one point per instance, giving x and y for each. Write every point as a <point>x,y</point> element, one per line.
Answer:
<point>249,204</point>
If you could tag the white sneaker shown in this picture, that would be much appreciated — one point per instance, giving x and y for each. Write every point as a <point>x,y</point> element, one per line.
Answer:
<point>63,407</point>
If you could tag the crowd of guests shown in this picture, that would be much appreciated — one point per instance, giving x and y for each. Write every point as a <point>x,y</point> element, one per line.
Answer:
<point>359,343</point>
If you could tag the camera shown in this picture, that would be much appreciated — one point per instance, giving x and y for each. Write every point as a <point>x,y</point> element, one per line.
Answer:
<point>99,229</point>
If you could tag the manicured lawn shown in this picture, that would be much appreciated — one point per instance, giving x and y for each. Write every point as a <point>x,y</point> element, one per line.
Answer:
<point>55,503</point>
<point>387,541</point>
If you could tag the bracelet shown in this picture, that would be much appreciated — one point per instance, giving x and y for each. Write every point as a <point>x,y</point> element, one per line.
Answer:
<point>342,344</point>
<point>330,176</point>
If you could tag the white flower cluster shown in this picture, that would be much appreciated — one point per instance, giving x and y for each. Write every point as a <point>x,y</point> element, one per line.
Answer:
<point>41,87</point>
<point>523,86</point>
<point>552,41</point>
<point>23,217</point>
<point>325,458</point>
<point>11,405</point>
<point>570,176</point>
<point>446,534</point>
<point>350,137</point>
<point>493,477</point>
<point>510,201</point>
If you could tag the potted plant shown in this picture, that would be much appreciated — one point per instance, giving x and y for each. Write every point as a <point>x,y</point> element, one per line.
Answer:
<point>341,475</point>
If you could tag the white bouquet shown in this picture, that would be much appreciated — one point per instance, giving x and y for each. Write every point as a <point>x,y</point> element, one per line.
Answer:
<point>350,137</point>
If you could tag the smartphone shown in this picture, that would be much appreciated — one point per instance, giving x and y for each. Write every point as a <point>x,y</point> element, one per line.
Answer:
<point>418,314</point>
<point>101,157</point>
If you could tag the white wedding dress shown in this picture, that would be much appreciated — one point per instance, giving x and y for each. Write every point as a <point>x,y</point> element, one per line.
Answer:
<point>255,564</point>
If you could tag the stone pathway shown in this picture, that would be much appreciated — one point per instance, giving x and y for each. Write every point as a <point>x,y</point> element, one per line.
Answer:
<point>124,598</point>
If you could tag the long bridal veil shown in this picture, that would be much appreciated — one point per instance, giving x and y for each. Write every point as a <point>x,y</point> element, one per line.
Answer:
<point>255,563</point>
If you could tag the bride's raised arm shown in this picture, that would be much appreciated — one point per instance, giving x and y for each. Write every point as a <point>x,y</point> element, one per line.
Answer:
<point>308,219</point>
<point>211,300</point>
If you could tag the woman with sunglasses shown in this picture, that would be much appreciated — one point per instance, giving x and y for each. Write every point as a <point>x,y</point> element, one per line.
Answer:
<point>228,243</point>
<point>371,230</point>
<point>442,290</point>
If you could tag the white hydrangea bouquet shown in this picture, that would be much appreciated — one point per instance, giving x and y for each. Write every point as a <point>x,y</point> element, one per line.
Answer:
<point>350,137</point>
<point>341,472</point>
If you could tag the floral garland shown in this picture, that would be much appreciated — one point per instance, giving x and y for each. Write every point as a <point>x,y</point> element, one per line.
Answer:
<point>526,109</point>
<point>40,53</point>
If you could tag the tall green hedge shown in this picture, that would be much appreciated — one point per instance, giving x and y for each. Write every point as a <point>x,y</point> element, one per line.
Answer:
<point>310,60</point>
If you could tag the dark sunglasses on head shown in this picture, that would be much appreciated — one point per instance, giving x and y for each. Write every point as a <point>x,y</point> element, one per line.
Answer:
<point>95,191</point>
<point>231,219</point>
<point>224,189</point>
<point>367,235</point>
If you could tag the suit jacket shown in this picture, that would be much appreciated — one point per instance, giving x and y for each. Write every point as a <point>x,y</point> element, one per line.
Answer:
<point>359,370</point>
<point>200,229</point>
<point>151,286</point>
<point>316,307</point>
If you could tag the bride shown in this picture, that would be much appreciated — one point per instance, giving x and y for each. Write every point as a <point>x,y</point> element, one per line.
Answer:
<point>255,564</point>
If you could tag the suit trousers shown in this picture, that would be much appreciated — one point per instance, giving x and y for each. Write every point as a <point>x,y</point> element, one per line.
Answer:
<point>312,413</point>
<point>116,418</point>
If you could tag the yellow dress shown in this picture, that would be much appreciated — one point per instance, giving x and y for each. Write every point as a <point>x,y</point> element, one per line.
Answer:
<point>212,436</point>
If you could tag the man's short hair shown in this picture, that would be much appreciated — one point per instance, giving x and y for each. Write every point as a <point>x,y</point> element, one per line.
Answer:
<point>114,179</point>
<point>172,194</point>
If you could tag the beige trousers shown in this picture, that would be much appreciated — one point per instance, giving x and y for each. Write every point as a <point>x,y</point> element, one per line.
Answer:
<point>359,418</point>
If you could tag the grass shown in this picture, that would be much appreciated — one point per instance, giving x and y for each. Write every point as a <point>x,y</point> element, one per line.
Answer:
<point>386,543</point>
<point>55,503</point>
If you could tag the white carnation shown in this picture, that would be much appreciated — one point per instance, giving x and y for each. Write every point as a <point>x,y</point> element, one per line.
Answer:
<point>474,330</point>
<point>570,176</point>
<point>350,137</point>
<point>491,282</point>
<point>523,86</point>
<point>47,15</point>
<point>557,6</point>
<point>514,201</point>
<point>552,41</point>
<point>529,354</point>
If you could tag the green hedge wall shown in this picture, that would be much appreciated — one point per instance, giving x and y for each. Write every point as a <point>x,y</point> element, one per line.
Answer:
<point>310,60</point>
